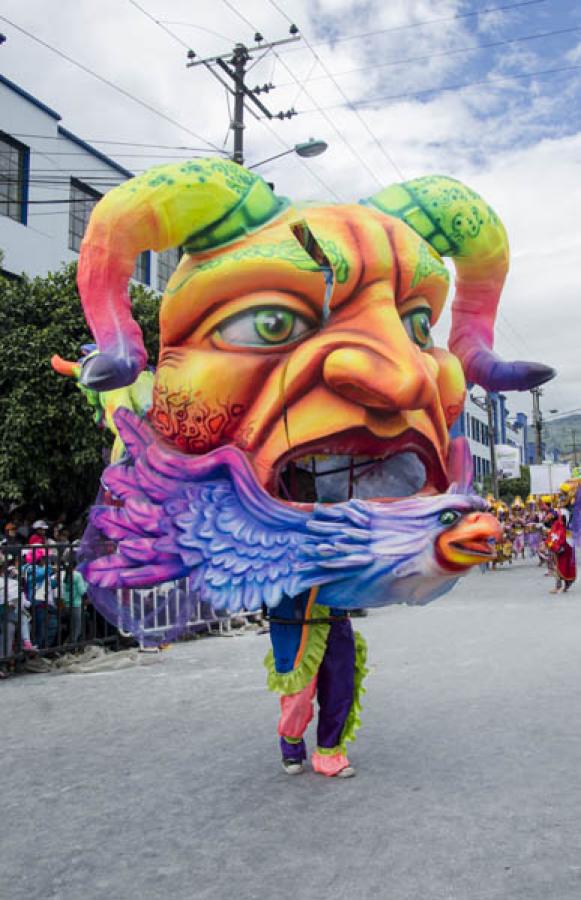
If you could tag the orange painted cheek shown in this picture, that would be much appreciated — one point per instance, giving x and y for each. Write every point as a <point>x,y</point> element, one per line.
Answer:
<point>201,397</point>
<point>451,384</point>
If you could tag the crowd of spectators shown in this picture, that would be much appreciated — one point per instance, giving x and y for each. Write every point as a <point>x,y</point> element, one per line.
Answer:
<point>42,594</point>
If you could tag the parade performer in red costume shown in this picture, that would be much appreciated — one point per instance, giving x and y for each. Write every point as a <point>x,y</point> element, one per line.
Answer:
<point>558,543</point>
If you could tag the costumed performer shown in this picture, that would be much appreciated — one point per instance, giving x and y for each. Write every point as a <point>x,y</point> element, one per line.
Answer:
<point>291,331</point>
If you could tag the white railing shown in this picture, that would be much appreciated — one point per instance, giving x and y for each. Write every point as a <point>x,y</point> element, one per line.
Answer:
<point>160,609</point>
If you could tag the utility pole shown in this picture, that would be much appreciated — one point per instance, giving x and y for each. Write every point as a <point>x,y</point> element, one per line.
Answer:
<point>492,444</point>
<point>239,59</point>
<point>487,405</point>
<point>233,66</point>
<point>538,423</point>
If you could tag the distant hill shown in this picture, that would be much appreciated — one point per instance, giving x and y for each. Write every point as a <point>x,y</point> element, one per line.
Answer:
<point>558,434</point>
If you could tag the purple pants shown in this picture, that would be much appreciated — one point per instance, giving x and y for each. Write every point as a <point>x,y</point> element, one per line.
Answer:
<point>334,686</point>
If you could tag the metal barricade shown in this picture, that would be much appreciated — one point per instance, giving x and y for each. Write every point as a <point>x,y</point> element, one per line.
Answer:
<point>42,611</point>
<point>42,608</point>
<point>161,610</point>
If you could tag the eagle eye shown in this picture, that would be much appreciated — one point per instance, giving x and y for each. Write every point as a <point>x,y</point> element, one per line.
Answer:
<point>449,516</point>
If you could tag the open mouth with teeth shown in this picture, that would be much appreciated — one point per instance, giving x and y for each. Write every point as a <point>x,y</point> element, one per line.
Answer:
<point>334,469</point>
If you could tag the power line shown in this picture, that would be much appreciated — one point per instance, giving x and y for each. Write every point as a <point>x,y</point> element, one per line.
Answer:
<point>58,137</point>
<point>60,212</point>
<point>467,15</point>
<point>508,323</point>
<point>449,87</point>
<point>63,184</point>
<point>110,83</point>
<point>234,65</point>
<point>175,37</point>
<point>64,174</point>
<point>199,28</point>
<point>117,155</point>
<point>237,75</point>
<point>51,202</point>
<point>94,172</point>
<point>241,17</point>
<point>426,58</point>
<point>303,82</point>
<point>305,166</point>
<point>327,118</point>
<point>162,23</point>
<point>500,331</point>
<point>350,104</point>
<point>245,105</point>
<point>159,24</point>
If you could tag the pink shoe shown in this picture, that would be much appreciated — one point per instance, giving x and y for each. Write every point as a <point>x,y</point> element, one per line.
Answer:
<point>334,765</point>
<point>28,645</point>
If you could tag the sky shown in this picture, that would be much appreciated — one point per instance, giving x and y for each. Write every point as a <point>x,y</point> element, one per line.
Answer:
<point>487,91</point>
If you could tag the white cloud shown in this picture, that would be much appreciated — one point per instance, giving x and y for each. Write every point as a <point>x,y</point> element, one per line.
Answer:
<point>490,136</point>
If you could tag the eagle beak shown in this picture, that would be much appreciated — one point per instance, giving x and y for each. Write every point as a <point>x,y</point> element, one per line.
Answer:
<point>468,543</point>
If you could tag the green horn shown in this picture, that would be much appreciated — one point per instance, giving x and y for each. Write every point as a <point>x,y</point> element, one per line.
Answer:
<point>457,222</point>
<point>201,204</point>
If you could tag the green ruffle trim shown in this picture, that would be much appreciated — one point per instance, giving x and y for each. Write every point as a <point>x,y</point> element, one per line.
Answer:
<point>353,720</point>
<point>330,751</point>
<point>294,681</point>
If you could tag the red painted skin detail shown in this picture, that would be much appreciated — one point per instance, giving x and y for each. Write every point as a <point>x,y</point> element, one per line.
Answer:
<point>196,425</point>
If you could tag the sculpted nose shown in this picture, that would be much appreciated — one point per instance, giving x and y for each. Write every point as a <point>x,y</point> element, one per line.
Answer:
<point>373,379</point>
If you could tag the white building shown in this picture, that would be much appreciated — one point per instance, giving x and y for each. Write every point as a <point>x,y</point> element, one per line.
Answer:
<point>516,435</point>
<point>50,180</point>
<point>473,425</point>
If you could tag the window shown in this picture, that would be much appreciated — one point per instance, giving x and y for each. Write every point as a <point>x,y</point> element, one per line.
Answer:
<point>83,199</point>
<point>166,266</point>
<point>141,271</point>
<point>13,178</point>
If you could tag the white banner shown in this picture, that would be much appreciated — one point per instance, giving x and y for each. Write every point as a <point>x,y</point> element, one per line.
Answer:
<point>507,461</point>
<point>548,478</point>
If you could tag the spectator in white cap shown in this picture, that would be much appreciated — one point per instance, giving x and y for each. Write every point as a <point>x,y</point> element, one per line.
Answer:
<point>39,536</point>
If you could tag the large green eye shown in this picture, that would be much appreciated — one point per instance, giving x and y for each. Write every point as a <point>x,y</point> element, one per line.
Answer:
<point>418,326</point>
<point>274,325</point>
<point>267,327</point>
<point>449,516</point>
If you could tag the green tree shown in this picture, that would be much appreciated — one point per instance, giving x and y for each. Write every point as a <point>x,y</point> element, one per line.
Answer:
<point>509,488</point>
<point>51,452</point>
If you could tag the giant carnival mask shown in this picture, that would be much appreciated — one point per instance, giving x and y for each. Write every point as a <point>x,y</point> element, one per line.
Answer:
<point>291,336</point>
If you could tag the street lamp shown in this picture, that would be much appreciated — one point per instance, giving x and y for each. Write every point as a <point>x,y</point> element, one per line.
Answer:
<point>310,148</point>
<point>307,150</point>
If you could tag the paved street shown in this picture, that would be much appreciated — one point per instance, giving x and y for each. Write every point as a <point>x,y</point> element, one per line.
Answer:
<point>164,781</point>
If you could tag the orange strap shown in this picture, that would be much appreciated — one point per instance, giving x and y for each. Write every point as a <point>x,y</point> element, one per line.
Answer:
<point>305,635</point>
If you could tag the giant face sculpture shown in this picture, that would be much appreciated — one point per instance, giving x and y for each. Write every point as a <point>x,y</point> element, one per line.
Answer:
<point>295,332</point>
